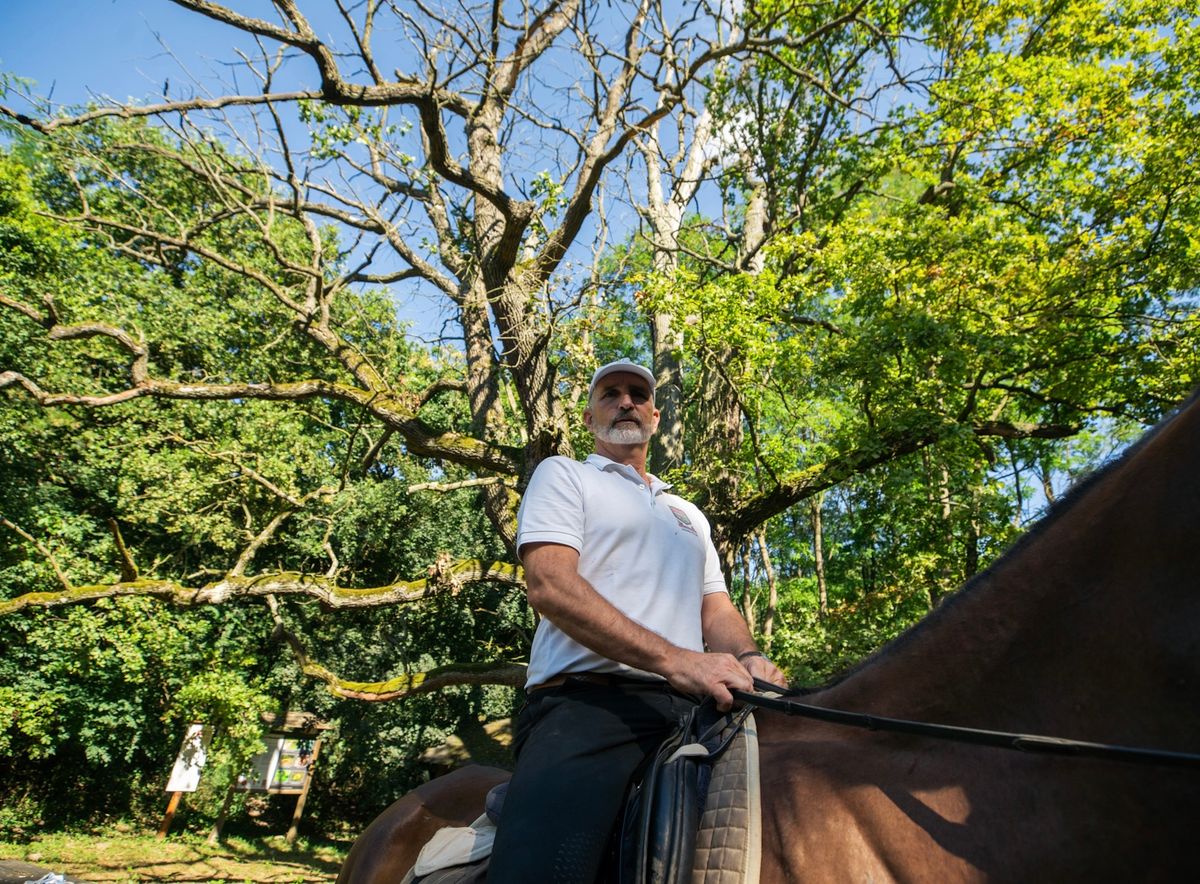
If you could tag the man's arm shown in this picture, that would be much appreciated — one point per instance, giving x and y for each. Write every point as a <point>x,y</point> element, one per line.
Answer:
<point>726,631</point>
<point>558,593</point>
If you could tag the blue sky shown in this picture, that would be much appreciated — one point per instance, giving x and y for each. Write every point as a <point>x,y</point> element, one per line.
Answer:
<point>81,50</point>
<point>77,50</point>
<point>105,46</point>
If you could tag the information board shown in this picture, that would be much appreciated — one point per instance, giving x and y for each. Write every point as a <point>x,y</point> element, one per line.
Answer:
<point>185,775</point>
<point>282,767</point>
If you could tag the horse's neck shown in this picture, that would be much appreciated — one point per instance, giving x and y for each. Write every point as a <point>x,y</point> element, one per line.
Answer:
<point>1086,618</point>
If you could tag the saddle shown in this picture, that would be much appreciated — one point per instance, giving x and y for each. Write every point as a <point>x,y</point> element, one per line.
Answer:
<point>661,821</point>
<point>691,818</point>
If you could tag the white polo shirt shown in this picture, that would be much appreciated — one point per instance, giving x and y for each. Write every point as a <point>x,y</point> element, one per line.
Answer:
<point>648,552</point>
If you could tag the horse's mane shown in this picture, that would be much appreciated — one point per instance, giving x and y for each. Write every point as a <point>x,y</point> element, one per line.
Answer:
<point>1057,511</point>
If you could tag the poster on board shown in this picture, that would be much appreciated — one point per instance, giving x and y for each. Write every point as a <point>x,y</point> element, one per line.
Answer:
<point>282,766</point>
<point>193,752</point>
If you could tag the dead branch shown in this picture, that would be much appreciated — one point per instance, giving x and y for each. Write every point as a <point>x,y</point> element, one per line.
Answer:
<point>281,583</point>
<point>1018,430</point>
<point>256,543</point>
<point>392,411</point>
<point>498,673</point>
<point>130,112</point>
<point>454,486</point>
<point>41,547</point>
<point>442,385</point>
<point>129,569</point>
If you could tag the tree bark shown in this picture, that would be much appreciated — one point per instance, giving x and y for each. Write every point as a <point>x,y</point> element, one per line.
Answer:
<point>748,613</point>
<point>768,624</point>
<point>818,546</point>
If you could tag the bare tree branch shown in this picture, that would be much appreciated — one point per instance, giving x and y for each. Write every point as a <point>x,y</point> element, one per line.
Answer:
<point>42,548</point>
<point>1010,430</point>
<point>131,112</point>
<point>129,569</point>
<point>498,673</point>
<point>455,486</point>
<point>446,579</point>
<point>449,675</point>
<point>399,414</point>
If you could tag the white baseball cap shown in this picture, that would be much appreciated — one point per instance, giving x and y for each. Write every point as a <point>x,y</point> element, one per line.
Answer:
<point>621,365</point>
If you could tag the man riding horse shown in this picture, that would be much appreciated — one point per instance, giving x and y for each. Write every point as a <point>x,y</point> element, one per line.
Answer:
<point>1087,629</point>
<point>637,626</point>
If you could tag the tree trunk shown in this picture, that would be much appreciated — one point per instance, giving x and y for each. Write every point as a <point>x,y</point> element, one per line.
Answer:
<point>718,438</point>
<point>819,556</point>
<point>971,559</point>
<point>1020,495</point>
<point>747,594</point>
<point>666,448</point>
<point>1046,475</point>
<point>939,587</point>
<point>664,212</point>
<point>768,627</point>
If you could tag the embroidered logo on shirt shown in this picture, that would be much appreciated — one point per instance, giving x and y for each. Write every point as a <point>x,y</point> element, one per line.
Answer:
<point>683,521</point>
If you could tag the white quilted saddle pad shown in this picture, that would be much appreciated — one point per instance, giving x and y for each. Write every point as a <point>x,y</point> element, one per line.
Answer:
<point>729,841</point>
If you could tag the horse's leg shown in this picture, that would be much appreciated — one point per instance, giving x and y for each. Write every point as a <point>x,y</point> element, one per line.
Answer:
<point>388,847</point>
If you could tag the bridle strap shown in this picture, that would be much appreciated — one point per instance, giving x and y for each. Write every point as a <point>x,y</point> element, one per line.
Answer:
<point>999,739</point>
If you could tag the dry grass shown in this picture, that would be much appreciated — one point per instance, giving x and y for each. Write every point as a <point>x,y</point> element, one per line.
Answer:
<point>118,857</point>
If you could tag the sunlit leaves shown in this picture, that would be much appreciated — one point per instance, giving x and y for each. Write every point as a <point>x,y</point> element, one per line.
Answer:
<point>994,249</point>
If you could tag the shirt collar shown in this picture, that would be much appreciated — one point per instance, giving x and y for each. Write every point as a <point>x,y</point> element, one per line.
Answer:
<point>604,464</point>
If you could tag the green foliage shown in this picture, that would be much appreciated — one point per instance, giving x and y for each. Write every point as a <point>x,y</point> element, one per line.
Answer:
<point>993,269</point>
<point>97,697</point>
<point>220,697</point>
<point>1000,265</point>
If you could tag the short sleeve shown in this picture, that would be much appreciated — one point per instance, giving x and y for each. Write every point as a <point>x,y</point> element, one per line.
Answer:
<point>714,579</point>
<point>552,508</point>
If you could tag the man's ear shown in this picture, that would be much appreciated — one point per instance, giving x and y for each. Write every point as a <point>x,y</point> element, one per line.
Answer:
<point>587,418</point>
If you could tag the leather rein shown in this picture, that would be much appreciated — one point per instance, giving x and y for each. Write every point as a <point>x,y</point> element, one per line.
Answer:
<point>788,705</point>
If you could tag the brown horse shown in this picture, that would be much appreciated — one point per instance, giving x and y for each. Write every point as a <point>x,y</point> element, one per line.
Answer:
<point>388,847</point>
<point>1088,629</point>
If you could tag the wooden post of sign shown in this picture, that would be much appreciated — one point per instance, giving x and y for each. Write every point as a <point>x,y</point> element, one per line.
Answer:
<point>172,805</point>
<point>215,835</point>
<point>308,776</point>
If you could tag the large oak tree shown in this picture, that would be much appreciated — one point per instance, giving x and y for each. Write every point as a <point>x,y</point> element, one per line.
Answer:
<point>847,234</point>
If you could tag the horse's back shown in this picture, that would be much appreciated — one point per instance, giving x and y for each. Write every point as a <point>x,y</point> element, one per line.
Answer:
<point>1087,629</point>
<point>388,847</point>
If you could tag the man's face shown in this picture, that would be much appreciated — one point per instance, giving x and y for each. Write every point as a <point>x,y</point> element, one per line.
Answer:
<point>621,410</point>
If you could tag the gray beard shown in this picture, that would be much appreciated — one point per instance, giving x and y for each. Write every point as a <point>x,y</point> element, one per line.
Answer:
<point>624,434</point>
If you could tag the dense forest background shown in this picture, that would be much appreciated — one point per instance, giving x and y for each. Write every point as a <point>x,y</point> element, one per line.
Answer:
<point>279,351</point>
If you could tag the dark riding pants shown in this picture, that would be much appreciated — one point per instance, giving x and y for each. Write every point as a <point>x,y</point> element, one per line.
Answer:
<point>577,747</point>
